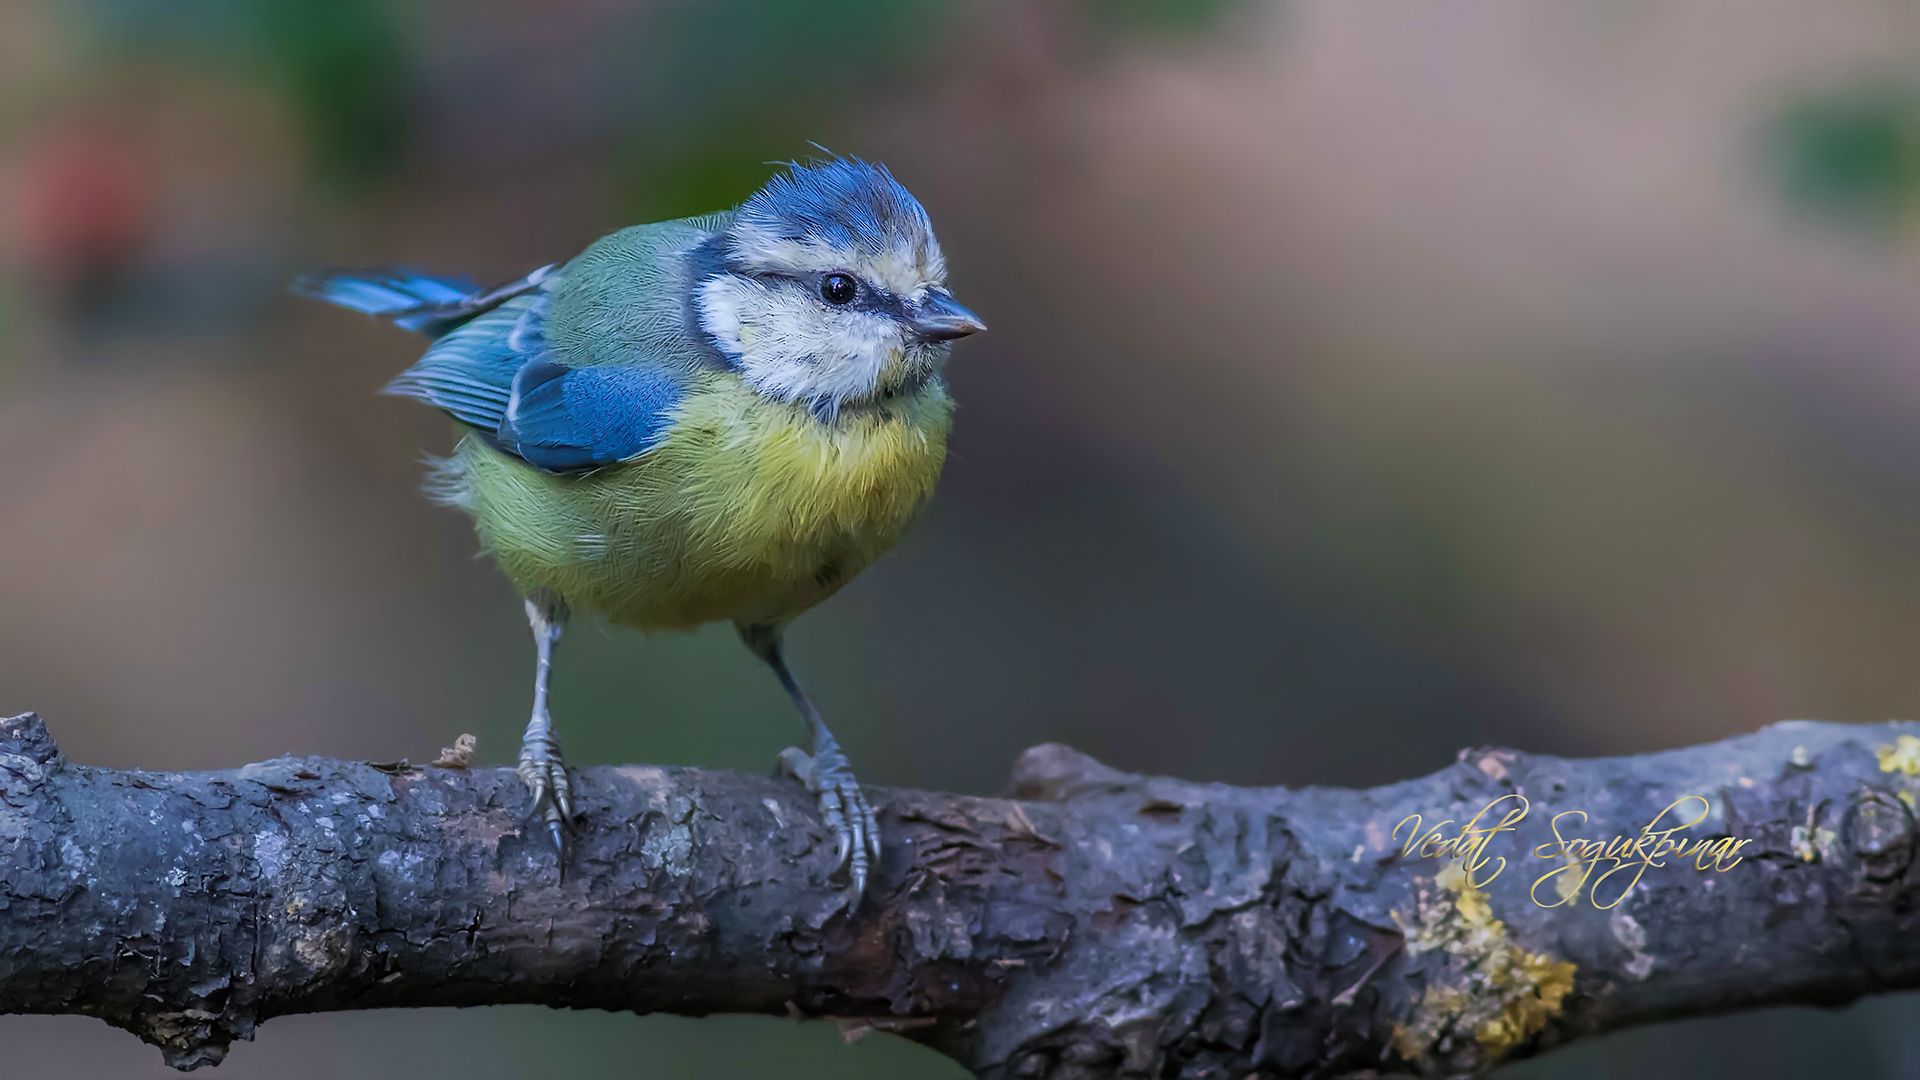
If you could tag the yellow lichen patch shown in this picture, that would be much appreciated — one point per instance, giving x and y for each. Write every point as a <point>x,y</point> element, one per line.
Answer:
<point>1503,994</point>
<point>1903,756</point>
<point>1569,884</point>
<point>1809,840</point>
<point>1471,902</point>
<point>1532,985</point>
<point>1432,1021</point>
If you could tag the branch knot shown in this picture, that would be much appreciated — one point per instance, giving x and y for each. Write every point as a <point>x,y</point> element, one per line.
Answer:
<point>26,748</point>
<point>1055,772</point>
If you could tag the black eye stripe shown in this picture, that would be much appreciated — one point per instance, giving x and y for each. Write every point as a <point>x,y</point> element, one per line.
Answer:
<point>868,297</point>
<point>871,298</point>
<point>880,302</point>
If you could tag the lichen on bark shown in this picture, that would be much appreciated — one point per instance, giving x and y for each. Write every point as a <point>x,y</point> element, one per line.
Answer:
<point>1094,924</point>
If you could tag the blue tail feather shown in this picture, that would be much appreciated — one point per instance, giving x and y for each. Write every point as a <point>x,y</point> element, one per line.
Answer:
<point>425,303</point>
<point>387,293</point>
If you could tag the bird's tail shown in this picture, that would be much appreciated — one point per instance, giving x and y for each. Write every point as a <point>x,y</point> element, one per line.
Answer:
<point>424,303</point>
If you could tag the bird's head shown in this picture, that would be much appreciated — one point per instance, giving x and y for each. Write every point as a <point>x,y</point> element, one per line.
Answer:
<point>830,289</point>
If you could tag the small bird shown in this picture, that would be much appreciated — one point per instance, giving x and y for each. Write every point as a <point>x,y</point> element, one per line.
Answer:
<point>717,417</point>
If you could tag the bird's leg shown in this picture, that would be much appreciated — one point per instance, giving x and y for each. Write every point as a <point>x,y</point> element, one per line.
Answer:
<point>825,772</point>
<point>540,765</point>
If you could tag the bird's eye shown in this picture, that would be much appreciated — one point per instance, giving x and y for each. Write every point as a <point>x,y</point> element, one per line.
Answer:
<point>838,289</point>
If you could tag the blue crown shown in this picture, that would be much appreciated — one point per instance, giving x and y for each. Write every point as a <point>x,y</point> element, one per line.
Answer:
<point>846,202</point>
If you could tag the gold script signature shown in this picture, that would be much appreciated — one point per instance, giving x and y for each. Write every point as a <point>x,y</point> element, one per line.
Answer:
<point>1622,860</point>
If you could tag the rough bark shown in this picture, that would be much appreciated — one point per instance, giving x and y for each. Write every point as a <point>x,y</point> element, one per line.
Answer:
<point>1095,924</point>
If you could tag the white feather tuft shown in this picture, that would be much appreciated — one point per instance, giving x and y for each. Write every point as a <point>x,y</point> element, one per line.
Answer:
<point>447,482</point>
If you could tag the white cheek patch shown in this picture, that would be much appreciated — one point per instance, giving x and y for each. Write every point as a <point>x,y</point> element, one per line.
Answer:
<point>721,302</point>
<point>790,348</point>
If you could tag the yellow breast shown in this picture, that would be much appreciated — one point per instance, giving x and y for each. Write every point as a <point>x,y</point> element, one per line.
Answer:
<point>749,509</point>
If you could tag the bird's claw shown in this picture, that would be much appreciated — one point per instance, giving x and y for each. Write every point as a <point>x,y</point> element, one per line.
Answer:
<point>546,778</point>
<point>843,808</point>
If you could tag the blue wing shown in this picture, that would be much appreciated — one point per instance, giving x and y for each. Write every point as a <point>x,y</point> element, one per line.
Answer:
<point>495,373</point>
<point>564,419</point>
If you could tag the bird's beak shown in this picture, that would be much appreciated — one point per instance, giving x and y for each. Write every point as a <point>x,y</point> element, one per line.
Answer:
<point>940,317</point>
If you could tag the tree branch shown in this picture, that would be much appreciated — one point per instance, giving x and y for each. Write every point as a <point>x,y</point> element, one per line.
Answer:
<point>1098,924</point>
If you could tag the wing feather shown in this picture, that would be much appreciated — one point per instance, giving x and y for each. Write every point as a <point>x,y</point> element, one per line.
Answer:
<point>491,367</point>
<point>565,419</point>
<point>495,373</point>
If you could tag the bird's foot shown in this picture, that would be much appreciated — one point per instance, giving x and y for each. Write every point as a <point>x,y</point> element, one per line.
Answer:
<point>546,778</point>
<point>844,809</point>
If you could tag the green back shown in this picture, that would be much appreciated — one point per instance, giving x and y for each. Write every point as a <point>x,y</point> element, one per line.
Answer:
<point>623,300</point>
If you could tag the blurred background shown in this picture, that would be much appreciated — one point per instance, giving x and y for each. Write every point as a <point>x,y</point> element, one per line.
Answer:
<point>1366,381</point>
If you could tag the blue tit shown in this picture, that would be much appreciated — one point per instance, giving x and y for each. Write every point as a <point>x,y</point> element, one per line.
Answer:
<point>718,417</point>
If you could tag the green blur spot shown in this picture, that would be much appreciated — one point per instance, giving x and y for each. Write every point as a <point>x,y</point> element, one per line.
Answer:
<point>341,66</point>
<point>342,69</point>
<point>724,90</point>
<point>1851,157</point>
<point>1160,17</point>
<point>673,174</point>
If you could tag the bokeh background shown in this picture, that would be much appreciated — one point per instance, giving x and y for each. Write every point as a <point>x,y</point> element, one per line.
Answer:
<point>1366,381</point>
